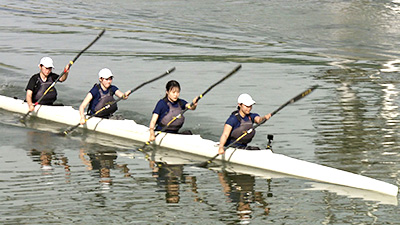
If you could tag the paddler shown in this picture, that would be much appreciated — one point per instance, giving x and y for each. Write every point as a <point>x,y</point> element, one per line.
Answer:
<point>167,108</point>
<point>240,121</point>
<point>41,81</point>
<point>100,96</point>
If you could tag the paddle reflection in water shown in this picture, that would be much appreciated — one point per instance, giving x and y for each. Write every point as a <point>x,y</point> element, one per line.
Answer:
<point>101,163</point>
<point>240,190</point>
<point>169,178</point>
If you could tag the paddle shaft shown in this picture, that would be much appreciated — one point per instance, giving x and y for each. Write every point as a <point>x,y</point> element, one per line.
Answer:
<point>69,65</point>
<point>293,100</point>
<point>68,130</point>
<point>65,70</point>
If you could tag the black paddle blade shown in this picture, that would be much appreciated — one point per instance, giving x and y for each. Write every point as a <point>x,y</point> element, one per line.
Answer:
<point>62,134</point>
<point>69,130</point>
<point>206,163</point>
<point>23,118</point>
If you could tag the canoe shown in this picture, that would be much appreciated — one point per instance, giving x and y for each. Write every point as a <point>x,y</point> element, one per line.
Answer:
<point>263,159</point>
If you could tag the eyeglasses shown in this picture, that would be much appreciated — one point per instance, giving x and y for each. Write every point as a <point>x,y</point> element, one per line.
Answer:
<point>110,78</point>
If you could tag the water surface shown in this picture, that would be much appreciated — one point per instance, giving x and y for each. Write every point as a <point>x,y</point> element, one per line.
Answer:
<point>348,48</point>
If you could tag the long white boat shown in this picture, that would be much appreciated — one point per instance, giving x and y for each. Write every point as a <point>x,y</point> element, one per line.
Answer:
<point>194,144</point>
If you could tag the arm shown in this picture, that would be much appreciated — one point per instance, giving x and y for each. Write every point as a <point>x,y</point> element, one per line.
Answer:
<point>194,104</point>
<point>65,75</point>
<point>82,107</point>
<point>28,97</point>
<point>152,126</point>
<point>259,119</point>
<point>124,96</point>
<point>224,137</point>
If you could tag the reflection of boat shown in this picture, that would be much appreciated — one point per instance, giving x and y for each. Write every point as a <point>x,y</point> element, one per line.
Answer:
<point>205,149</point>
<point>355,193</point>
<point>391,66</point>
<point>172,157</point>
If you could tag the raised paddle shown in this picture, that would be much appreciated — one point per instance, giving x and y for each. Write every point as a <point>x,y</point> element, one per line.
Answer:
<point>70,129</point>
<point>293,100</point>
<point>65,70</point>
<point>237,68</point>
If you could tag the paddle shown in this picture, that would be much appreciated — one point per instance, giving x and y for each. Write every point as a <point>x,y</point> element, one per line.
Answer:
<point>70,129</point>
<point>65,70</point>
<point>293,100</point>
<point>191,104</point>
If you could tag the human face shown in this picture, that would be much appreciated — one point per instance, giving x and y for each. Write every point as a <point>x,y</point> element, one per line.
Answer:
<point>245,109</point>
<point>45,70</point>
<point>106,82</point>
<point>173,94</point>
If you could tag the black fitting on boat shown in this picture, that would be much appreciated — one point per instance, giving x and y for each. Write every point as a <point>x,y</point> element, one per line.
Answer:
<point>270,138</point>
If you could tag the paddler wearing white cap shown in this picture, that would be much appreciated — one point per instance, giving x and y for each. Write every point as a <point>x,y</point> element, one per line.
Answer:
<point>40,82</point>
<point>100,96</point>
<point>240,121</point>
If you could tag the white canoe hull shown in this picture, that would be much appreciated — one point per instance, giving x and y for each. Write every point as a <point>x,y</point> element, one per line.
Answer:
<point>194,144</point>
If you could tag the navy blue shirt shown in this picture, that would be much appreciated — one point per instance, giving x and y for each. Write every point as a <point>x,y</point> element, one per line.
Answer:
<point>96,96</point>
<point>162,109</point>
<point>235,123</point>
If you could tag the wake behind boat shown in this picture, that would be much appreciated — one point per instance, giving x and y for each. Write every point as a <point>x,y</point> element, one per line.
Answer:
<point>194,144</point>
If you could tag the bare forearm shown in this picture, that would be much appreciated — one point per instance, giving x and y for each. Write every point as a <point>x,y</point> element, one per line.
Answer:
<point>260,119</point>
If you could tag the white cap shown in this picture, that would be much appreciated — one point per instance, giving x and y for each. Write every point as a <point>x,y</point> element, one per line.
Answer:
<point>46,62</point>
<point>246,100</point>
<point>105,73</point>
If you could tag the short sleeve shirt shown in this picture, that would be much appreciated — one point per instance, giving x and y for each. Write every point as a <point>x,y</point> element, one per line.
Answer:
<point>33,81</point>
<point>162,109</point>
<point>96,95</point>
<point>235,123</point>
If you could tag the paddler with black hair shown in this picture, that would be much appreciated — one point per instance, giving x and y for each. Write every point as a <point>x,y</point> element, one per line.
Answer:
<point>101,95</point>
<point>40,82</point>
<point>167,108</point>
<point>240,121</point>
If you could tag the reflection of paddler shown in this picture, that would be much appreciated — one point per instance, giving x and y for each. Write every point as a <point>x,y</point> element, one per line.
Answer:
<point>47,157</point>
<point>44,157</point>
<point>101,162</point>
<point>169,177</point>
<point>240,189</point>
